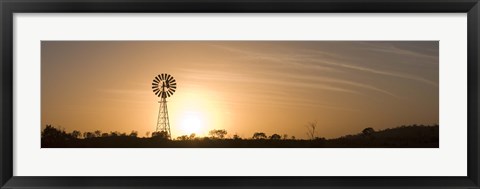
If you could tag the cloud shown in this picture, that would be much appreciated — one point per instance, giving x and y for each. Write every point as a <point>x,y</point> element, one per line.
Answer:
<point>330,62</point>
<point>126,91</point>
<point>392,49</point>
<point>251,79</point>
<point>381,72</point>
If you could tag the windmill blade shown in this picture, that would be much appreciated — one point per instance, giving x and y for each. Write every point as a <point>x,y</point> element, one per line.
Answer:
<point>164,85</point>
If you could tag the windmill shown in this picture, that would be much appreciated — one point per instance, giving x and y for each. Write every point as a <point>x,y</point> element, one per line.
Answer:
<point>164,85</point>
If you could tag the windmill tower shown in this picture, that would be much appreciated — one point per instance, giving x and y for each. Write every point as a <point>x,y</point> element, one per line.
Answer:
<point>163,85</point>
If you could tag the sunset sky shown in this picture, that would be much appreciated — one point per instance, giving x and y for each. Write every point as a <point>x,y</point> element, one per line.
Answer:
<point>240,86</point>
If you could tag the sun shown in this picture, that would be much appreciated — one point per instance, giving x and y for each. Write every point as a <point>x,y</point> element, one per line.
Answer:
<point>192,122</point>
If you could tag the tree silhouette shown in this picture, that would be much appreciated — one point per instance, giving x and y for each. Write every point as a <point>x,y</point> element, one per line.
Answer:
<point>311,127</point>
<point>76,134</point>
<point>403,136</point>
<point>52,134</point>
<point>98,133</point>
<point>133,134</point>
<point>183,137</point>
<point>368,131</point>
<point>275,137</point>
<point>88,135</point>
<point>259,135</point>
<point>236,137</point>
<point>162,135</point>
<point>218,133</point>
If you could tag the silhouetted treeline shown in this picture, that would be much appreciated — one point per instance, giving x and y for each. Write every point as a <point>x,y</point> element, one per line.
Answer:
<point>413,136</point>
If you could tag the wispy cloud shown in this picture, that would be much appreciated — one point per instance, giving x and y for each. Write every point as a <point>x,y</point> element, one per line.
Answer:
<point>391,49</point>
<point>327,62</point>
<point>125,91</point>
<point>379,72</point>
<point>250,79</point>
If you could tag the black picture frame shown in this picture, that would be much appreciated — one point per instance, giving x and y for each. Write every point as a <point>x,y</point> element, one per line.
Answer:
<point>9,7</point>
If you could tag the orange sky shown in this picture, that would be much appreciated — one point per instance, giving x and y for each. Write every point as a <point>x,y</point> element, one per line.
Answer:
<point>241,86</point>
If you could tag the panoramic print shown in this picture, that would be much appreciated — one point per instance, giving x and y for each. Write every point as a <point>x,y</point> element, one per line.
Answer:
<point>239,94</point>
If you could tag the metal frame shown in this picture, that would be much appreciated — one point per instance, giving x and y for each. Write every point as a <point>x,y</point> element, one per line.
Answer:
<point>8,7</point>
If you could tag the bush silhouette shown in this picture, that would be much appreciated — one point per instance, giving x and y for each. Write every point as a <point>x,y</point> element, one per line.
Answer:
<point>98,133</point>
<point>275,137</point>
<point>368,131</point>
<point>183,137</point>
<point>162,135</point>
<point>76,134</point>
<point>415,136</point>
<point>236,137</point>
<point>133,134</point>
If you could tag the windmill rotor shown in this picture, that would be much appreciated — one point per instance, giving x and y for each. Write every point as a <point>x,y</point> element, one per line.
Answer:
<point>164,85</point>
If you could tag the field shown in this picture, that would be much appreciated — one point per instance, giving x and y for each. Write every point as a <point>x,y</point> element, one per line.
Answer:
<point>413,136</point>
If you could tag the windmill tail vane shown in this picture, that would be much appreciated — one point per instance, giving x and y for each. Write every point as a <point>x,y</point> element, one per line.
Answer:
<point>163,86</point>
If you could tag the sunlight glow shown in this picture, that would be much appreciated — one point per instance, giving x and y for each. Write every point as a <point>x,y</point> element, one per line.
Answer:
<point>196,110</point>
<point>192,122</point>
